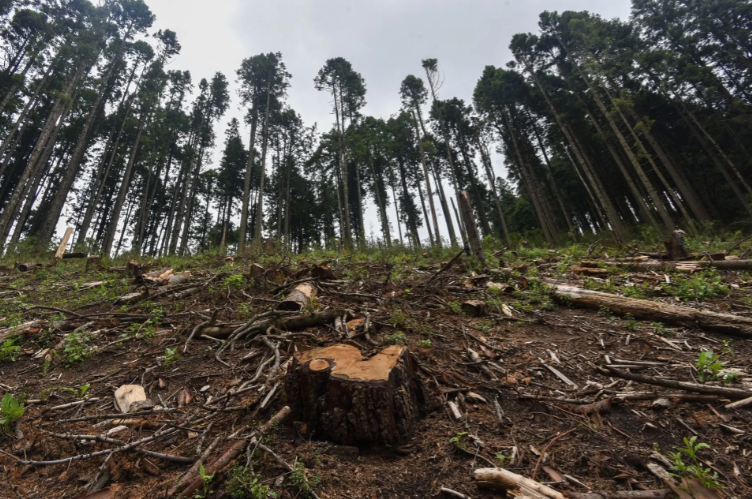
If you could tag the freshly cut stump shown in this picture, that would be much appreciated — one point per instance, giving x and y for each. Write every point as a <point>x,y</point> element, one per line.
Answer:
<point>348,400</point>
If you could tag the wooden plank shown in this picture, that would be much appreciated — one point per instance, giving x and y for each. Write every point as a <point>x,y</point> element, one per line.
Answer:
<point>64,243</point>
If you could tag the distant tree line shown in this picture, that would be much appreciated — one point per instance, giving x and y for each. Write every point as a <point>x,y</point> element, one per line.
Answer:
<point>605,126</point>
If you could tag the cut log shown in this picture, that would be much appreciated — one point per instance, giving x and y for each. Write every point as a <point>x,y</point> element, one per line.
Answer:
<point>501,479</point>
<point>25,267</point>
<point>685,265</point>
<point>655,311</point>
<point>64,243</point>
<point>348,400</point>
<point>299,298</point>
<point>475,308</point>
<point>322,272</point>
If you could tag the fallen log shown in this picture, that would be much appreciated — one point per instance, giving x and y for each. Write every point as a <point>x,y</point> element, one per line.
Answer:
<point>664,266</point>
<point>299,298</point>
<point>501,479</point>
<point>655,311</point>
<point>348,400</point>
<point>25,328</point>
<point>732,393</point>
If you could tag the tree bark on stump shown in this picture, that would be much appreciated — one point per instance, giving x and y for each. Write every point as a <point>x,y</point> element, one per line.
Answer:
<point>348,400</point>
<point>299,298</point>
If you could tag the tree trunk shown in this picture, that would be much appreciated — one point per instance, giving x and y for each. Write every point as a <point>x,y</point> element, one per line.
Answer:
<point>425,213</point>
<point>347,400</point>
<point>440,190</point>
<point>685,187</point>
<point>428,185</point>
<point>492,182</point>
<point>476,245</point>
<point>361,228</point>
<point>380,203</point>
<point>115,217</point>
<point>339,113</point>
<point>396,210</point>
<point>11,208</point>
<point>603,201</point>
<point>69,176</point>
<point>473,184</point>
<point>411,223</point>
<point>247,184</point>
<point>262,172</point>
<point>555,188</point>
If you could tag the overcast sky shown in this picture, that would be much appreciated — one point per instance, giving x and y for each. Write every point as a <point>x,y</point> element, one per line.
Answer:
<point>385,40</point>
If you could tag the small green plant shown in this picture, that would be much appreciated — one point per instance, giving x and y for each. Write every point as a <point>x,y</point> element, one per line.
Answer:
<point>631,323</point>
<point>233,282</point>
<point>171,355</point>
<point>694,468</point>
<point>244,310</point>
<point>455,307</point>
<point>503,460</point>
<point>83,389</point>
<point>727,348</point>
<point>398,338</point>
<point>242,483</point>
<point>9,350</point>
<point>398,318</point>
<point>701,286</point>
<point>661,330</point>
<point>459,440</point>
<point>605,312</point>
<point>76,348</point>
<point>709,365</point>
<point>11,410</point>
<point>424,343</point>
<point>485,327</point>
<point>305,481</point>
<point>207,480</point>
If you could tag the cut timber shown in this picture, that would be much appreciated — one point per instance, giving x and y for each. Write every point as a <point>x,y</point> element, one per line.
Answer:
<point>655,311</point>
<point>685,265</point>
<point>64,243</point>
<point>475,308</point>
<point>25,267</point>
<point>501,479</point>
<point>348,400</point>
<point>299,298</point>
<point>322,272</point>
<point>468,217</point>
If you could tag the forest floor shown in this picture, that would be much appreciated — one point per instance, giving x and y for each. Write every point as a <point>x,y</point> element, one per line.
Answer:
<point>69,337</point>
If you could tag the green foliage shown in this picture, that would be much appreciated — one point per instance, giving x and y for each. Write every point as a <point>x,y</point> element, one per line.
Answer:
<point>631,322</point>
<point>693,469</point>
<point>424,343</point>
<point>459,440</point>
<point>171,355</point>
<point>304,480</point>
<point>605,312</point>
<point>398,338</point>
<point>699,287</point>
<point>76,348</point>
<point>242,483</point>
<point>207,480</point>
<point>709,367</point>
<point>11,410</point>
<point>234,282</point>
<point>455,307</point>
<point>503,460</point>
<point>9,350</point>
<point>398,318</point>
<point>661,330</point>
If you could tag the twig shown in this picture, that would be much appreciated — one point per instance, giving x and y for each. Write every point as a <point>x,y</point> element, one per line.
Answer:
<point>62,310</point>
<point>553,441</point>
<point>445,267</point>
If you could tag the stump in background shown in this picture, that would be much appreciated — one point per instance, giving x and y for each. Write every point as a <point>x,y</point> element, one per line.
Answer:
<point>299,298</point>
<point>348,400</point>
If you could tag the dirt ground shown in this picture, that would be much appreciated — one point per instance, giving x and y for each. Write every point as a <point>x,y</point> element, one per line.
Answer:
<point>538,359</point>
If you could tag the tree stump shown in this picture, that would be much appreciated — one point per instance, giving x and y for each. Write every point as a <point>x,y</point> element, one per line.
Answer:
<point>348,400</point>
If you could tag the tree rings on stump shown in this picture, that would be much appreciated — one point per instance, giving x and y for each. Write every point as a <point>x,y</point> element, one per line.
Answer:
<point>348,400</point>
